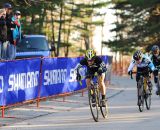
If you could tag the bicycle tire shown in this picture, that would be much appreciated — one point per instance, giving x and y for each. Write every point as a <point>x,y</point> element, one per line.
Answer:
<point>147,94</point>
<point>140,95</point>
<point>148,101</point>
<point>104,110</point>
<point>94,109</point>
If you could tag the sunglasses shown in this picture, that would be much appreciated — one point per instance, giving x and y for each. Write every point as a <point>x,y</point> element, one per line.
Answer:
<point>18,14</point>
<point>138,60</point>
<point>90,60</point>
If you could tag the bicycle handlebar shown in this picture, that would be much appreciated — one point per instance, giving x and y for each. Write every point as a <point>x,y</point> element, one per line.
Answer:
<point>83,77</point>
<point>132,74</point>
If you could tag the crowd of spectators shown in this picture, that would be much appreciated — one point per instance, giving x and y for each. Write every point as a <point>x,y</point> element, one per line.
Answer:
<point>10,31</point>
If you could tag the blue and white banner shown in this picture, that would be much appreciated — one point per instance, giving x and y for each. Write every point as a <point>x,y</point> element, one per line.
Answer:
<point>21,80</point>
<point>3,78</point>
<point>59,76</point>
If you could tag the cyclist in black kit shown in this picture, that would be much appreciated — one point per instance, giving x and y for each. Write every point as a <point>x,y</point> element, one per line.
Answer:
<point>94,64</point>
<point>155,58</point>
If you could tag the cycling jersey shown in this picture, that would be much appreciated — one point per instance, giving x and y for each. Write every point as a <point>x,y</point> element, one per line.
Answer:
<point>155,60</point>
<point>145,63</point>
<point>91,69</point>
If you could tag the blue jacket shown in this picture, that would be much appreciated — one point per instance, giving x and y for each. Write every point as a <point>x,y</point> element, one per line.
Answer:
<point>17,30</point>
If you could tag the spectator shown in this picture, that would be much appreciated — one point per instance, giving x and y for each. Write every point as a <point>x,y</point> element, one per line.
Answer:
<point>17,30</point>
<point>16,34</point>
<point>8,9</point>
<point>3,29</point>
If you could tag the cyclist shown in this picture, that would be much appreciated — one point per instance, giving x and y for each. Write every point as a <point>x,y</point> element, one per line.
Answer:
<point>155,58</point>
<point>94,64</point>
<point>144,65</point>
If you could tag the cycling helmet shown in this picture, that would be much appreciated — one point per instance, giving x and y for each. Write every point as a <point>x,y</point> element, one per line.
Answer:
<point>7,5</point>
<point>17,12</point>
<point>137,55</point>
<point>90,54</point>
<point>155,49</point>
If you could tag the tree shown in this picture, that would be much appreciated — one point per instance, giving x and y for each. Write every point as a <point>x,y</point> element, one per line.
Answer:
<point>138,26</point>
<point>68,24</point>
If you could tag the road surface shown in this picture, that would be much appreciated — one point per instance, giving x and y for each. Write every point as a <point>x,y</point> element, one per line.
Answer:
<point>74,112</point>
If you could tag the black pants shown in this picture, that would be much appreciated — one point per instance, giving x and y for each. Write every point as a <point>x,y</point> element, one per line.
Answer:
<point>143,71</point>
<point>155,76</point>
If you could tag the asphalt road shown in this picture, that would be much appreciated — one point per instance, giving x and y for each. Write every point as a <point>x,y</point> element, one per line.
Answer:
<point>74,112</point>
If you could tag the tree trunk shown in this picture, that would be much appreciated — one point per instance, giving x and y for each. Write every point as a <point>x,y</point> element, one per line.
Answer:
<point>69,30</point>
<point>53,35</point>
<point>60,29</point>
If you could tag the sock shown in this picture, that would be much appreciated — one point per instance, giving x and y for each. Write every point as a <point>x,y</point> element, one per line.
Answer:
<point>103,97</point>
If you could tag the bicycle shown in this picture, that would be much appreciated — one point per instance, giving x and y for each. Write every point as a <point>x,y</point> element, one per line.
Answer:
<point>94,92</point>
<point>143,92</point>
<point>158,82</point>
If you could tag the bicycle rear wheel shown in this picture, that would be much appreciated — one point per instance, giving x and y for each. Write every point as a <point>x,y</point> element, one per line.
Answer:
<point>93,106</point>
<point>140,96</point>
<point>104,110</point>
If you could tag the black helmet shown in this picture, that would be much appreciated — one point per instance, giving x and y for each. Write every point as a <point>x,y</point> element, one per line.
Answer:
<point>137,55</point>
<point>7,5</point>
<point>155,49</point>
<point>17,12</point>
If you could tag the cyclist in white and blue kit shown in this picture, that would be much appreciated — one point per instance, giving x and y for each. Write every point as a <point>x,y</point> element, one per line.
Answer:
<point>144,65</point>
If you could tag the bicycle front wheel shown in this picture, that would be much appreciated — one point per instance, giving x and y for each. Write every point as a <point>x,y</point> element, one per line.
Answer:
<point>148,101</point>
<point>93,106</point>
<point>104,110</point>
<point>140,96</point>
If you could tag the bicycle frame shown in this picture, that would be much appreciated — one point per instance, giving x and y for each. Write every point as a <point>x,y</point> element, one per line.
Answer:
<point>145,80</point>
